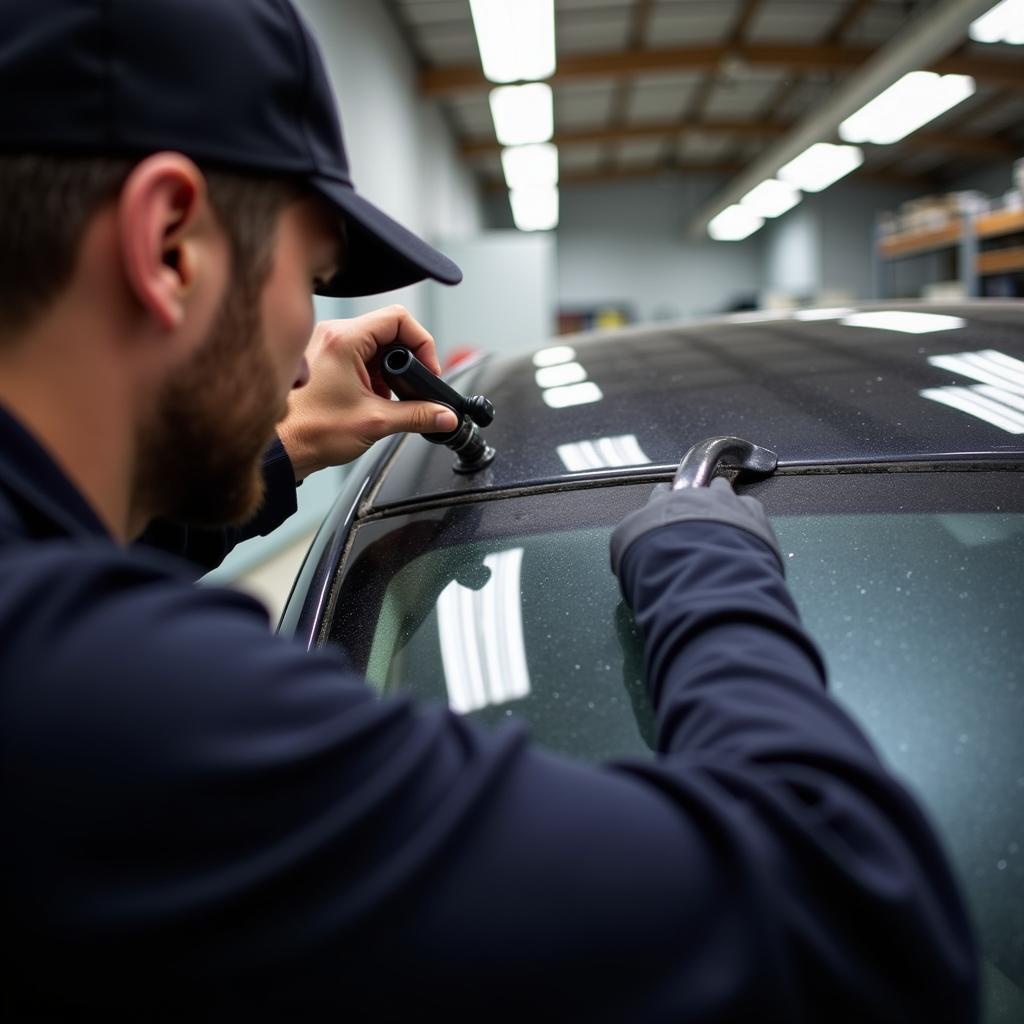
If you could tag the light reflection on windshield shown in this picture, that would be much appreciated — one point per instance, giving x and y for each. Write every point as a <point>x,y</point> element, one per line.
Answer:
<point>481,637</point>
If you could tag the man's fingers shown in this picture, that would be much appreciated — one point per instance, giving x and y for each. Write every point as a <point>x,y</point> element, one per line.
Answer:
<point>395,325</point>
<point>414,418</point>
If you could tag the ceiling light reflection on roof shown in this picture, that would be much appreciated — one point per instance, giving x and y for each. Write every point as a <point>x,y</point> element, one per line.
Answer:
<point>556,376</point>
<point>821,314</point>
<point>554,354</point>
<point>989,366</point>
<point>522,113</point>
<point>983,405</point>
<point>1004,23</point>
<point>602,453</point>
<point>906,322</point>
<point>516,38</point>
<point>572,394</point>
<point>481,637</point>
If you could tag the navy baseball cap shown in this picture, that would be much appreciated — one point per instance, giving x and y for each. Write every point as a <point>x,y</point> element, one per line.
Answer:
<point>232,83</point>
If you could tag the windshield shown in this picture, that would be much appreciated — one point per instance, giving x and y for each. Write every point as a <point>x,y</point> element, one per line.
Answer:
<point>915,594</point>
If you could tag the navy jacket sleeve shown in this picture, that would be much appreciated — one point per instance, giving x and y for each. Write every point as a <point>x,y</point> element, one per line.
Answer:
<point>207,548</point>
<point>212,823</point>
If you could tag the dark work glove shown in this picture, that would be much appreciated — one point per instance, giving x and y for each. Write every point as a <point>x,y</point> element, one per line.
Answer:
<point>715,504</point>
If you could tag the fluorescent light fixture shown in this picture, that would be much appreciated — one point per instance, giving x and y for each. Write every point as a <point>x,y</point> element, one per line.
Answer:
<point>602,453</point>
<point>530,166</point>
<point>771,198</point>
<point>553,355</point>
<point>572,394</point>
<point>989,405</point>
<point>917,98</point>
<point>908,323</point>
<point>481,637</point>
<point>820,165</point>
<point>535,209</point>
<point>516,38</point>
<point>1004,23</point>
<point>560,375</point>
<point>989,366</point>
<point>820,314</point>
<point>522,113</point>
<point>733,224</point>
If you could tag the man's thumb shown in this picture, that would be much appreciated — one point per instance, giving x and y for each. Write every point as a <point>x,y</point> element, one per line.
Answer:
<point>426,418</point>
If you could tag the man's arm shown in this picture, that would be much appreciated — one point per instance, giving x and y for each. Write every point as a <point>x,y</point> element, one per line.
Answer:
<point>236,823</point>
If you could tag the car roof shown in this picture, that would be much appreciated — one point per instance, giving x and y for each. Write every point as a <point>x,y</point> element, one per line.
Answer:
<point>878,383</point>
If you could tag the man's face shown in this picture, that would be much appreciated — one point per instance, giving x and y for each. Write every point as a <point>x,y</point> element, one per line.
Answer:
<point>201,457</point>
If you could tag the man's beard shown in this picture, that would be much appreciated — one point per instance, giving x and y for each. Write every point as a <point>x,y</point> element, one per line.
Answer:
<point>200,453</point>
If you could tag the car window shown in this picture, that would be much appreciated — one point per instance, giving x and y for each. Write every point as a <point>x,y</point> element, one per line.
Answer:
<point>914,592</point>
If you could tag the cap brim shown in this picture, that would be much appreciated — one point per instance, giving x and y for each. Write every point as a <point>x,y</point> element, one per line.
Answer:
<point>380,254</point>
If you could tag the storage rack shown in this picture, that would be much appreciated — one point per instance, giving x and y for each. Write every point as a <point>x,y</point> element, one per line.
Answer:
<point>968,236</point>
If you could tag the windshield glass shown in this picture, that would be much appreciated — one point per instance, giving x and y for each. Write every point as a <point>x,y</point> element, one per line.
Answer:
<point>915,594</point>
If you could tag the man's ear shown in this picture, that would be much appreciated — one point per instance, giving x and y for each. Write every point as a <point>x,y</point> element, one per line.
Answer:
<point>164,231</point>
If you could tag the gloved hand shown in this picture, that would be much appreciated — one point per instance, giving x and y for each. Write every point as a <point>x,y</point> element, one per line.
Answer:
<point>715,504</point>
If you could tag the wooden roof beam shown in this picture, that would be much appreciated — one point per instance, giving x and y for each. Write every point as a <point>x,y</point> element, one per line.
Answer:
<point>983,147</point>
<point>602,175</point>
<point>627,63</point>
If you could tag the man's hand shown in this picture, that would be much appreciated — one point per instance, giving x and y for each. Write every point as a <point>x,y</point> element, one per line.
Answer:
<point>715,504</point>
<point>346,405</point>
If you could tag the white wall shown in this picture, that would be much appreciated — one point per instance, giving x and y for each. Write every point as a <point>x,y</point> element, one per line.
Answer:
<point>823,248</point>
<point>507,300</point>
<point>625,242</point>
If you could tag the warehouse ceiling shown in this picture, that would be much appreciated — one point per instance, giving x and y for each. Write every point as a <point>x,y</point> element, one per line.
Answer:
<point>644,86</point>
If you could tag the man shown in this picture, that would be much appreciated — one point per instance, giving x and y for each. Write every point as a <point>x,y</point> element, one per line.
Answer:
<point>203,820</point>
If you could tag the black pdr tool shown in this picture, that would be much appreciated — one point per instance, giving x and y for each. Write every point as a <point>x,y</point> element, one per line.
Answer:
<point>412,381</point>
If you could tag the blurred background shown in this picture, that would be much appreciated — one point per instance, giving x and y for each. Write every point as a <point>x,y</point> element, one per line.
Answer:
<point>593,163</point>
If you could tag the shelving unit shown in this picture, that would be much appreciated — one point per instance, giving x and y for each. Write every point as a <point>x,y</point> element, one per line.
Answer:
<point>966,237</point>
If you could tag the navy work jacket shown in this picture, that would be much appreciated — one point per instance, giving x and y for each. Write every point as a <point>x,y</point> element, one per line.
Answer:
<point>204,821</point>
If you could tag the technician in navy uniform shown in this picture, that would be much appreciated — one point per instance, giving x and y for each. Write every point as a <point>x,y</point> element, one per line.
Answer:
<point>204,821</point>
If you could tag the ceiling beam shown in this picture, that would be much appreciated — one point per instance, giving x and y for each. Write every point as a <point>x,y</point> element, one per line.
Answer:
<point>984,147</point>
<point>441,81</point>
<point>602,175</point>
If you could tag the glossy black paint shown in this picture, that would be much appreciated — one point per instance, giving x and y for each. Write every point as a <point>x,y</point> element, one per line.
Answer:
<point>815,392</point>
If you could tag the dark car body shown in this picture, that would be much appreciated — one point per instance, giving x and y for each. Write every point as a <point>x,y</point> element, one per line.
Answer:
<point>898,501</point>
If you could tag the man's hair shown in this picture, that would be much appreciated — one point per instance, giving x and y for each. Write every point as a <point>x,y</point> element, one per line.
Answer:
<point>47,202</point>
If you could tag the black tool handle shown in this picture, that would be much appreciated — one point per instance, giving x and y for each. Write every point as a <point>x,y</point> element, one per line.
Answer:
<point>700,462</point>
<point>412,381</point>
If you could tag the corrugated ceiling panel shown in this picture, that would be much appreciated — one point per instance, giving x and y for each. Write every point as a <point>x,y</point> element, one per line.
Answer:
<point>580,158</point>
<point>794,21</point>
<point>583,105</point>
<point>704,148</point>
<point>595,32</point>
<point>739,99</point>
<point>660,100</point>
<point>448,44</point>
<point>691,22</point>
<point>427,12</point>
<point>641,152</point>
